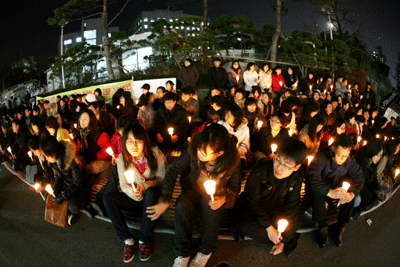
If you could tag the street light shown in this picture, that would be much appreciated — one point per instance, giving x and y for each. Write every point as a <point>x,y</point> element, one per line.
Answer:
<point>62,23</point>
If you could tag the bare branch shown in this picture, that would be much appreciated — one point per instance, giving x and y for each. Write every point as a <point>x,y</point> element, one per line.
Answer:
<point>122,9</point>
<point>99,13</point>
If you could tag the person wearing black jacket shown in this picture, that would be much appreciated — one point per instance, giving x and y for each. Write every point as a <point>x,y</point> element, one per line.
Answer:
<point>212,156</point>
<point>368,96</point>
<point>7,140</point>
<point>188,75</point>
<point>67,175</point>
<point>272,192</point>
<point>170,115</point>
<point>330,168</point>
<point>20,147</point>
<point>217,75</point>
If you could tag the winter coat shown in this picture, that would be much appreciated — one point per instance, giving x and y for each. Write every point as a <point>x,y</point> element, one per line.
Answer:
<point>191,106</point>
<point>276,87</point>
<point>242,134</point>
<point>146,116</point>
<point>189,76</point>
<point>98,143</point>
<point>312,146</point>
<point>324,173</point>
<point>232,77</point>
<point>218,78</point>
<point>250,79</point>
<point>368,97</point>
<point>265,79</point>
<point>269,199</point>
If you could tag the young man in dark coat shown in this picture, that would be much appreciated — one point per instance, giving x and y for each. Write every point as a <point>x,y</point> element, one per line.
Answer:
<point>217,75</point>
<point>330,168</point>
<point>272,193</point>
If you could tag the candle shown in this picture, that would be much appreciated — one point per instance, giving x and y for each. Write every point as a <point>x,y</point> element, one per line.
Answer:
<point>310,87</point>
<point>259,124</point>
<point>385,138</point>
<point>325,91</point>
<point>237,78</point>
<point>119,107</point>
<point>171,131</point>
<point>137,101</point>
<point>30,154</point>
<point>282,224</point>
<point>330,142</point>
<point>310,159</point>
<point>346,187</point>
<point>9,150</point>
<point>36,186</point>
<point>274,147</point>
<point>349,86</point>
<point>110,151</point>
<point>190,119</point>
<point>377,136</point>
<point>290,132</point>
<point>372,122</point>
<point>359,139</point>
<point>350,91</point>
<point>130,177</point>
<point>75,125</point>
<point>72,136</point>
<point>210,188</point>
<point>365,143</point>
<point>49,190</point>
<point>397,172</point>
<point>280,83</point>
<point>332,87</point>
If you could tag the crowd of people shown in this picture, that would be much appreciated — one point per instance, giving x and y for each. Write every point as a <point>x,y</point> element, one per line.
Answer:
<point>283,131</point>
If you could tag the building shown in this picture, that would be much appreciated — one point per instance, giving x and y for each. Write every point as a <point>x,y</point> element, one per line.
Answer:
<point>91,32</point>
<point>377,55</point>
<point>143,22</point>
<point>26,65</point>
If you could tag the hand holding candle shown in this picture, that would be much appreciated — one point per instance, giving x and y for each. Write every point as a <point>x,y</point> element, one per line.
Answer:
<point>110,151</point>
<point>130,177</point>
<point>346,187</point>
<point>359,139</point>
<point>290,132</point>
<point>330,142</point>
<point>282,224</point>
<point>237,78</point>
<point>9,150</point>
<point>36,186</point>
<point>210,188</point>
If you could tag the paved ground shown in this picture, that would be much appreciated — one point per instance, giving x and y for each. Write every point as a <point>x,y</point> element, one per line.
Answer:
<point>27,240</point>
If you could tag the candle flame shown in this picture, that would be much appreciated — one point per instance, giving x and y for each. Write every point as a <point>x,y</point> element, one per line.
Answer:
<point>71,135</point>
<point>274,147</point>
<point>75,125</point>
<point>310,159</point>
<point>30,154</point>
<point>36,186</point>
<point>49,189</point>
<point>171,131</point>
<point>190,119</point>
<point>210,186</point>
<point>377,136</point>
<point>110,151</point>
<point>290,132</point>
<point>346,186</point>
<point>359,139</point>
<point>365,143</point>
<point>259,124</point>
<point>130,176</point>
<point>282,224</point>
<point>330,142</point>
<point>9,150</point>
<point>397,172</point>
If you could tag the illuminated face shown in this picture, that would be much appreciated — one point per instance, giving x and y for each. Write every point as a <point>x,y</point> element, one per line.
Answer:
<point>185,97</point>
<point>15,127</point>
<point>253,68</point>
<point>217,64</point>
<point>278,71</point>
<point>284,167</point>
<point>328,109</point>
<point>122,101</point>
<point>37,152</point>
<point>134,146</point>
<point>51,159</point>
<point>265,98</point>
<point>207,154</point>
<point>252,108</point>
<point>84,120</point>
<point>342,129</point>
<point>187,63</point>
<point>341,154</point>
<point>215,92</point>
<point>290,71</point>
<point>275,123</point>
<point>160,93</point>
<point>169,104</point>
<point>168,86</point>
<point>235,65</point>
<point>50,130</point>
<point>266,68</point>
<point>229,118</point>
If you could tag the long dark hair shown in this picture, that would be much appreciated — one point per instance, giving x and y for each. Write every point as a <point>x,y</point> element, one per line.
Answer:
<point>217,137</point>
<point>94,125</point>
<point>312,128</point>
<point>138,133</point>
<point>237,112</point>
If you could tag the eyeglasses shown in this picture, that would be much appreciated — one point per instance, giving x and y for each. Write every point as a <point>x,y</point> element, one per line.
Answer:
<point>131,142</point>
<point>280,162</point>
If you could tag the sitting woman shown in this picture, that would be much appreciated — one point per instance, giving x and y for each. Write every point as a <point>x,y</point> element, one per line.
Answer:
<point>311,134</point>
<point>53,127</point>
<point>67,175</point>
<point>270,134</point>
<point>265,104</point>
<point>212,156</point>
<point>128,108</point>
<point>148,168</point>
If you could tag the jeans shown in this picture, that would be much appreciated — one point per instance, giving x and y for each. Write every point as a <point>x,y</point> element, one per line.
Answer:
<point>115,201</point>
<point>187,207</point>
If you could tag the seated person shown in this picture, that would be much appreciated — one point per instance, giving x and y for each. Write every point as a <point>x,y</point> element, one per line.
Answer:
<point>190,104</point>
<point>330,168</point>
<point>53,127</point>
<point>20,148</point>
<point>240,97</point>
<point>116,140</point>
<point>170,115</point>
<point>212,155</point>
<point>147,164</point>
<point>6,141</point>
<point>146,111</point>
<point>272,193</point>
<point>146,92</point>
<point>67,175</point>
<point>44,173</point>
<point>159,101</point>
<point>107,120</point>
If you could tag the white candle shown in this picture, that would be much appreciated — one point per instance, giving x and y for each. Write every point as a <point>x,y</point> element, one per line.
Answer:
<point>346,186</point>
<point>310,87</point>
<point>280,83</point>
<point>9,150</point>
<point>130,177</point>
<point>331,87</point>
<point>72,136</point>
<point>274,147</point>
<point>237,78</point>
<point>372,122</point>
<point>290,132</point>
<point>359,139</point>
<point>110,151</point>
<point>171,131</point>
<point>36,186</point>
<point>282,224</point>
<point>137,101</point>
<point>190,119</point>
<point>49,190</point>
<point>210,188</point>
<point>377,136</point>
<point>365,143</point>
<point>385,138</point>
<point>397,172</point>
<point>30,154</point>
<point>75,125</point>
<point>310,159</point>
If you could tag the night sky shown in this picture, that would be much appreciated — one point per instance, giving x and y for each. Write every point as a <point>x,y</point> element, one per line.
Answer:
<point>24,30</point>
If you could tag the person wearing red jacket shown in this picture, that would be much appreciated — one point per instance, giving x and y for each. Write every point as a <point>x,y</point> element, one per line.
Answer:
<point>277,82</point>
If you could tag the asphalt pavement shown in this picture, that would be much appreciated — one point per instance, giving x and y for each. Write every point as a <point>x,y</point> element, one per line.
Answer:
<point>26,239</point>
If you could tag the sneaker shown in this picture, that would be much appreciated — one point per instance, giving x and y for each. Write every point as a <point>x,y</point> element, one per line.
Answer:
<point>145,251</point>
<point>181,261</point>
<point>200,260</point>
<point>129,253</point>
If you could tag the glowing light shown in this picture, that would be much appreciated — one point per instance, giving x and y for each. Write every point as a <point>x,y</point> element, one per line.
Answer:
<point>290,132</point>
<point>75,125</point>
<point>9,150</point>
<point>260,124</point>
<point>359,139</point>
<point>190,119</point>
<point>30,154</point>
<point>364,143</point>
<point>346,186</point>
<point>397,172</point>
<point>310,159</point>
<point>130,177</point>
<point>110,151</point>
<point>49,189</point>
<point>377,136</point>
<point>210,188</point>
<point>274,147</point>
<point>330,142</point>
<point>36,186</point>
<point>171,131</point>
<point>282,224</point>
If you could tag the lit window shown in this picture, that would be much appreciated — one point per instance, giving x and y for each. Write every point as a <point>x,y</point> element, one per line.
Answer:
<point>145,19</point>
<point>84,24</point>
<point>79,39</point>
<point>90,37</point>
<point>182,28</point>
<point>193,28</point>
<point>67,42</point>
<point>171,20</point>
<point>198,29</point>
<point>177,28</point>
<point>152,20</point>
<point>145,26</point>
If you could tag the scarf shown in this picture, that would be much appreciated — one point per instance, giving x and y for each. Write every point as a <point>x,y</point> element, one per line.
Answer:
<point>84,141</point>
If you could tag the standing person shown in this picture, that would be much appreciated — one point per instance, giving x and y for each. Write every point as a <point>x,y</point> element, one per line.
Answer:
<point>212,156</point>
<point>235,75</point>
<point>265,77</point>
<point>250,77</point>
<point>272,192</point>
<point>217,76</point>
<point>146,92</point>
<point>330,168</point>
<point>189,75</point>
<point>148,166</point>
<point>340,88</point>
<point>368,96</point>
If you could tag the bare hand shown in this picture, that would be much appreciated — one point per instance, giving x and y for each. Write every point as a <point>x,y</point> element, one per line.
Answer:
<point>156,210</point>
<point>174,138</point>
<point>113,160</point>
<point>160,139</point>
<point>14,156</point>
<point>138,194</point>
<point>273,235</point>
<point>217,203</point>
<point>347,198</point>
<point>277,249</point>
<point>337,193</point>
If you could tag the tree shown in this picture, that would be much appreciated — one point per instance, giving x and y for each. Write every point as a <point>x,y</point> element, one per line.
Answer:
<point>280,10</point>
<point>75,10</point>
<point>121,45</point>
<point>263,38</point>
<point>223,25</point>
